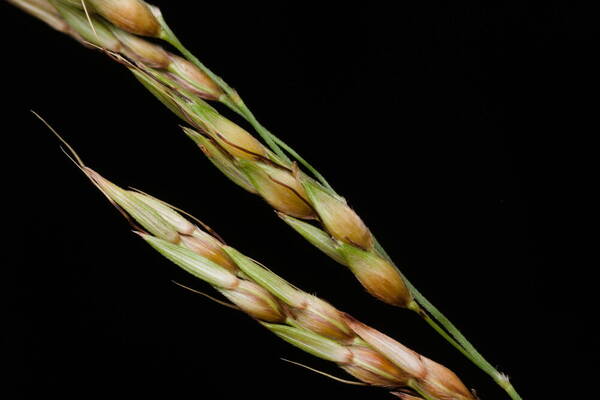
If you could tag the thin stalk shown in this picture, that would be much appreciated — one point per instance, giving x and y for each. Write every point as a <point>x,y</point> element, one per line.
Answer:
<point>439,329</point>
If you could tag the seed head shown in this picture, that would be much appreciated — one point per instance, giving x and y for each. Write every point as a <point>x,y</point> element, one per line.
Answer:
<point>193,79</point>
<point>279,188</point>
<point>379,276</point>
<point>337,217</point>
<point>133,16</point>
<point>255,301</point>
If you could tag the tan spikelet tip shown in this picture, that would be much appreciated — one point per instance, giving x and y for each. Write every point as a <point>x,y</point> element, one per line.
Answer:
<point>383,282</point>
<point>287,196</point>
<point>212,250</point>
<point>256,302</point>
<point>133,16</point>
<point>338,218</point>
<point>443,383</point>
<point>403,357</point>
<point>142,50</point>
<point>378,275</point>
<point>193,78</point>
<point>345,225</point>
<point>372,367</point>
<point>236,140</point>
<point>321,317</point>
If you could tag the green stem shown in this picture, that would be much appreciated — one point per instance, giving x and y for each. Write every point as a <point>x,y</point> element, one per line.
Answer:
<point>414,306</point>
<point>459,341</point>
<point>510,390</point>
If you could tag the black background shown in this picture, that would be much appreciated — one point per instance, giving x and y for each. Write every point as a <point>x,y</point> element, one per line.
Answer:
<point>461,134</point>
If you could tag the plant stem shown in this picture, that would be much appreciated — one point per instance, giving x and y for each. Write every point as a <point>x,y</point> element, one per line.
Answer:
<point>414,306</point>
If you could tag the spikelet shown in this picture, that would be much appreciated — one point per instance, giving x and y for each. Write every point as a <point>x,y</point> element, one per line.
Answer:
<point>255,301</point>
<point>130,203</point>
<point>193,263</point>
<point>192,78</point>
<point>443,383</point>
<point>377,275</point>
<point>278,187</point>
<point>321,317</point>
<point>133,16</point>
<point>337,217</point>
<point>208,246</point>
<point>372,367</point>
<point>220,159</point>
<point>142,50</point>
<point>235,140</point>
